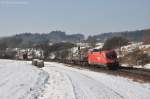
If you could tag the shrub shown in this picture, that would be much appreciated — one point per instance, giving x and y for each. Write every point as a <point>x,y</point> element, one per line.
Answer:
<point>92,41</point>
<point>115,42</point>
<point>137,57</point>
<point>146,40</point>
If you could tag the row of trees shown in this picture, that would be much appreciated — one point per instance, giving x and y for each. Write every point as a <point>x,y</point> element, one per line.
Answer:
<point>59,48</point>
<point>115,42</point>
<point>110,43</point>
<point>146,40</point>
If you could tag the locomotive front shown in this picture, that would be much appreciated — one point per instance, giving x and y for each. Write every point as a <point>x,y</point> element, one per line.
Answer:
<point>103,58</point>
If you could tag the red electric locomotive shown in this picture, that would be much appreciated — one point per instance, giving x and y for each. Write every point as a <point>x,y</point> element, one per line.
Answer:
<point>107,58</point>
<point>103,58</point>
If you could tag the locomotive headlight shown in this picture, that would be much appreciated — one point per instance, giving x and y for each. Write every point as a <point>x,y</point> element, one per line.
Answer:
<point>99,58</point>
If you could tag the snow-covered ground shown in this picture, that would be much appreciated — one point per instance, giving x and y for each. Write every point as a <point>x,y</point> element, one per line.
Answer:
<point>147,66</point>
<point>70,83</point>
<point>20,80</point>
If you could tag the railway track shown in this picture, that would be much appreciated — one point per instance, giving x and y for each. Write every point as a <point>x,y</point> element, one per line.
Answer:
<point>137,74</point>
<point>138,71</point>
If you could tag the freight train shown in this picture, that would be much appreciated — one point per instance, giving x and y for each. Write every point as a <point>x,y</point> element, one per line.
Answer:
<point>92,57</point>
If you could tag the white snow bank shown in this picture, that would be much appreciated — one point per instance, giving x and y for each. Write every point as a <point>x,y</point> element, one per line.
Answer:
<point>58,87</point>
<point>125,87</point>
<point>131,47</point>
<point>147,66</point>
<point>68,84</point>
<point>87,84</point>
<point>20,80</point>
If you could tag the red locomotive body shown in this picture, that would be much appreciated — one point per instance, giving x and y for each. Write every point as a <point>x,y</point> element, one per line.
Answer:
<point>105,58</point>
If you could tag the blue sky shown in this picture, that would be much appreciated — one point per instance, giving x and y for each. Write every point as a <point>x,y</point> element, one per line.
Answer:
<point>73,16</point>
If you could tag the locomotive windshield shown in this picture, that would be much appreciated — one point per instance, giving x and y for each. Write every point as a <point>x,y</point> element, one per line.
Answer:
<point>96,50</point>
<point>111,55</point>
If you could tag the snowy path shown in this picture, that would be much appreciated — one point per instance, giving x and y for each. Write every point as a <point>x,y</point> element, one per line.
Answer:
<point>69,83</point>
<point>20,80</point>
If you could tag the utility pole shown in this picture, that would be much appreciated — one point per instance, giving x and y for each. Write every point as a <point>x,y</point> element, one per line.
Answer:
<point>79,50</point>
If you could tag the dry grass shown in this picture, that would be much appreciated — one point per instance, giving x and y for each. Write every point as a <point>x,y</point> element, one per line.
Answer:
<point>137,57</point>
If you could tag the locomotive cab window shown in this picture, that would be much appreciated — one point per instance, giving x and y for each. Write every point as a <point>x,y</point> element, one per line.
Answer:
<point>111,55</point>
<point>96,50</point>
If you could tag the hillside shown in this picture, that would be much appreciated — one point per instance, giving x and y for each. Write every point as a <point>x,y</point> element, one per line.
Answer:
<point>25,40</point>
<point>136,36</point>
<point>30,39</point>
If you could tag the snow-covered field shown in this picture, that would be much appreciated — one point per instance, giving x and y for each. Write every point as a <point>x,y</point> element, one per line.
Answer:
<point>70,83</point>
<point>20,80</point>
